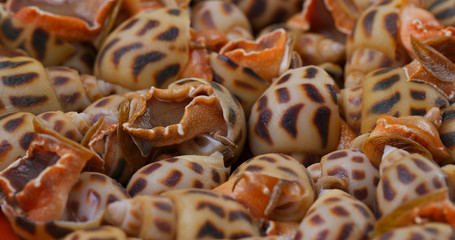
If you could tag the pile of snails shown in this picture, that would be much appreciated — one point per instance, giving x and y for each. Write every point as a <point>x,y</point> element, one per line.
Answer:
<point>223,119</point>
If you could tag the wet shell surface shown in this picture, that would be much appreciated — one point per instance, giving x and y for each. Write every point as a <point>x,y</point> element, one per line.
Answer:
<point>334,215</point>
<point>157,64</point>
<point>188,171</point>
<point>297,113</point>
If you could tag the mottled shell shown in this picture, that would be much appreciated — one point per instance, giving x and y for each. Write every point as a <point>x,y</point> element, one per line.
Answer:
<point>351,105</point>
<point>146,217</point>
<point>90,196</point>
<point>39,44</point>
<point>97,88</point>
<point>61,123</point>
<point>387,92</point>
<point>147,50</point>
<point>188,171</point>
<point>21,78</point>
<point>203,214</point>
<point>68,87</point>
<point>219,15</point>
<point>408,178</point>
<point>264,13</point>
<point>16,133</point>
<point>447,129</point>
<point>297,113</point>
<point>433,231</point>
<point>241,81</point>
<point>336,215</point>
<point>377,28</point>
<point>197,105</point>
<point>103,232</point>
<point>287,197</point>
<point>352,167</point>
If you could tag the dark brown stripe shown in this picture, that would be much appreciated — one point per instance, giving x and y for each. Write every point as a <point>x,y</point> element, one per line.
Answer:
<point>167,73</point>
<point>282,94</point>
<point>130,24</point>
<point>9,64</point>
<point>26,224</point>
<point>313,93</point>
<point>261,126</point>
<point>418,95</point>
<point>9,31</point>
<point>218,210</point>
<point>368,21</point>
<point>196,167</point>
<point>317,220</point>
<point>361,193</point>
<point>106,48</point>
<point>39,41</point>
<point>283,79</point>
<point>27,101</point>
<point>239,215</point>
<point>404,175</point>
<point>59,81</point>
<point>382,71</point>
<point>209,230</point>
<point>232,116</point>
<point>149,25</point>
<point>448,139</point>
<point>288,170</point>
<point>172,178</point>
<point>289,119</point>
<point>339,211</point>
<point>228,61</point>
<point>257,9</point>
<point>321,120</point>
<point>121,51</point>
<point>386,83</point>
<point>56,231</point>
<point>19,79</point>
<point>244,85</point>
<point>13,124</point>
<point>163,226</point>
<point>346,230</point>
<point>391,24</point>
<point>337,155</point>
<point>142,60</point>
<point>163,206</point>
<point>254,168</point>
<point>418,112</point>
<point>69,98</point>
<point>207,19</point>
<point>174,12</point>
<point>387,190</point>
<point>26,139</point>
<point>421,164</point>
<point>332,92</point>
<point>5,147</point>
<point>386,105</point>
<point>138,186</point>
<point>421,189</point>
<point>310,72</point>
<point>169,35</point>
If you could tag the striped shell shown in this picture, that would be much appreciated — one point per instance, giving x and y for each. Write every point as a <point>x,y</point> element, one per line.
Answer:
<point>387,92</point>
<point>336,215</point>
<point>204,118</point>
<point>351,105</point>
<point>359,175</point>
<point>297,113</point>
<point>221,16</point>
<point>154,44</point>
<point>272,186</point>
<point>183,214</point>
<point>188,171</point>
<point>406,179</point>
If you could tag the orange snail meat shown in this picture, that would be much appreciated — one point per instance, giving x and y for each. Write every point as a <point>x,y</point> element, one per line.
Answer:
<point>386,91</point>
<point>269,56</point>
<point>359,177</point>
<point>402,132</point>
<point>193,116</point>
<point>186,214</point>
<point>149,49</point>
<point>336,214</point>
<point>186,171</point>
<point>272,186</point>
<point>298,113</point>
<point>410,177</point>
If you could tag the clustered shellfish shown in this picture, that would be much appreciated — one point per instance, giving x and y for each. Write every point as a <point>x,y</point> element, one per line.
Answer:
<point>242,119</point>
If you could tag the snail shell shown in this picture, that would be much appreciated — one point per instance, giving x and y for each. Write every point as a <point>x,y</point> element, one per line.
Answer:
<point>297,113</point>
